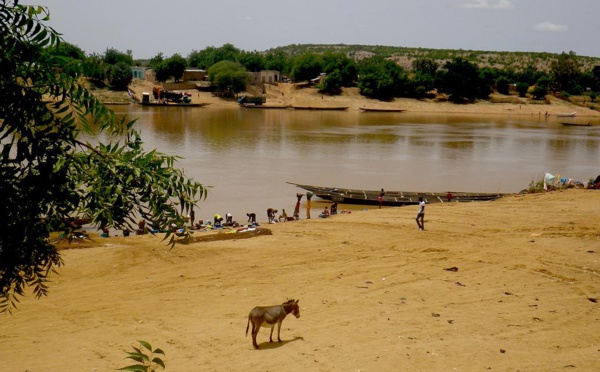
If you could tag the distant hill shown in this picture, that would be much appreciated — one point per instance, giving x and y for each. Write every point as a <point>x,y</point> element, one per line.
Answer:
<point>404,56</point>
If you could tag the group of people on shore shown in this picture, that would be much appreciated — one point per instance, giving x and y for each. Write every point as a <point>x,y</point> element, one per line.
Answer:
<point>219,222</point>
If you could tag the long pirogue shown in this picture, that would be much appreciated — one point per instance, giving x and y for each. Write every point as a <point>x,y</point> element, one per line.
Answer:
<point>392,198</point>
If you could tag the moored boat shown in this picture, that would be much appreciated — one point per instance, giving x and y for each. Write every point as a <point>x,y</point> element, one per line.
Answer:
<point>172,104</point>
<point>576,124</point>
<point>340,108</point>
<point>567,115</point>
<point>369,109</point>
<point>393,198</point>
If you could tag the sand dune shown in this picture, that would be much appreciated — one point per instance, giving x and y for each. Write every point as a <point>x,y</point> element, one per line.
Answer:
<point>504,285</point>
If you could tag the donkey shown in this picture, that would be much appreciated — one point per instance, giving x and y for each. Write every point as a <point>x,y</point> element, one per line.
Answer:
<point>268,316</point>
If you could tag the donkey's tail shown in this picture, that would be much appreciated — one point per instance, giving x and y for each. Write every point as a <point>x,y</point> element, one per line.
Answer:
<point>247,326</point>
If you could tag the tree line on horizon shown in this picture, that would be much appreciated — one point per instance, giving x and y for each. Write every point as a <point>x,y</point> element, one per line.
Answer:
<point>462,75</point>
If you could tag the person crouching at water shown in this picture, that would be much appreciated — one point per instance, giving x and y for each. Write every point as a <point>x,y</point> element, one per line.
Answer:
<point>334,208</point>
<point>325,213</point>
<point>283,216</point>
<point>421,215</point>
<point>251,218</point>
<point>271,214</point>
<point>228,219</point>
<point>218,220</point>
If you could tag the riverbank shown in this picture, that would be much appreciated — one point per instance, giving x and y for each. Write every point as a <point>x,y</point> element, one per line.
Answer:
<point>503,285</point>
<point>287,94</point>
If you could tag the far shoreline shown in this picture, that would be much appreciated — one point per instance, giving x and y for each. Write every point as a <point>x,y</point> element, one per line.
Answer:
<point>289,94</point>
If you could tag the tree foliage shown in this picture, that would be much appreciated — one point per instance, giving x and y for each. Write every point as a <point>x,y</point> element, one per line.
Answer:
<point>461,80</point>
<point>252,61</point>
<point>209,56</point>
<point>332,83</point>
<point>346,67</point>
<point>502,85</point>
<point>52,167</point>
<point>306,66</point>
<point>381,78</point>
<point>278,61</point>
<point>176,65</point>
<point>565,71</point>
<point>229,77</point>
<point>119,76</point>
<point>113,56</point>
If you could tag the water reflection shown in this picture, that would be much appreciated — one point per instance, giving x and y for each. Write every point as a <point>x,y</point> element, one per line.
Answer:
<point>248,155</point>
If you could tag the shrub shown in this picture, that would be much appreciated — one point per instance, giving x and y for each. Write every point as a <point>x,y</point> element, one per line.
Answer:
<point>147,362</point>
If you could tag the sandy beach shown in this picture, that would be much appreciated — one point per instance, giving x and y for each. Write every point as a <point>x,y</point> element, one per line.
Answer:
<point>504,285</point>
<point>288,94</point>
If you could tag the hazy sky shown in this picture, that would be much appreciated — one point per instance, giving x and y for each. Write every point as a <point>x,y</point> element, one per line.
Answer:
<point>148,27</point>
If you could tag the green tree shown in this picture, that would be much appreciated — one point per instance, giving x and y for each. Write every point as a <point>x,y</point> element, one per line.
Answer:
<point>95,70</point>
<point>419,85</point>
<point>565,72</point>
<point>176,65</point>
<point>595,78</point>
<point>332,83</point>
<point>460,79</point>
<point>306,66</point>
<point>252,61</point>
<point>381,78</point>
<point>226,52</point>
<point>539,92</point>
<point>162,72</point>
<point>502,85</point>
<point>277,60</point>
<point>113,56</point>
<point>120,75</point>
<point>202,59</point>
<point>229,77</point>
<point>522,88</point>
<point>70,50</point>
<point>425,66</point>
<point>345,67</point>
<point>156,60</point>
<point>51,171</point>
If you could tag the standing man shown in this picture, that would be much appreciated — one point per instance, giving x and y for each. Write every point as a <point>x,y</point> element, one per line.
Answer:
<point>380,198</point>
<point>421,215</point>
<point>308,197</point>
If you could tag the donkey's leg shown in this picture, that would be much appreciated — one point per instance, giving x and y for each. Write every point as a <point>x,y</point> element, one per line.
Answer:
<point>279,331</point>
<point>271,335</point>
<point>255,329</point>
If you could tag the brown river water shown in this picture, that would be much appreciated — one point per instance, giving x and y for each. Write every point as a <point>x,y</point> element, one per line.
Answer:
<point>247,155</point>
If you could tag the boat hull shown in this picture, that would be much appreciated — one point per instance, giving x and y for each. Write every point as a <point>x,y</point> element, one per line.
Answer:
<point>366,109</point>
<point>170,104</point>
<point>392,198</point>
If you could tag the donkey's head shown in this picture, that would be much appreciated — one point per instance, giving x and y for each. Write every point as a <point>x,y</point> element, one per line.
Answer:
<point>291,306</point>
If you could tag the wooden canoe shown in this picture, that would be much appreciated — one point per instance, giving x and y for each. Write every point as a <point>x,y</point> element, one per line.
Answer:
<point>266,107</point>
<point>577,124</point>
<point>340,108</point>
<point>392,198</point>
<point>172,104</point>
<point>367,109</point>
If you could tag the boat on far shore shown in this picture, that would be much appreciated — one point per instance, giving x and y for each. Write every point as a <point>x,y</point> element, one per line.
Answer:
<point>369,109</point>
<point>576,124</point>
<point>340,108</point>
<point>567,115</point>
<point>264,106</point>
<point>172,104</point>
<point>393,198</point>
